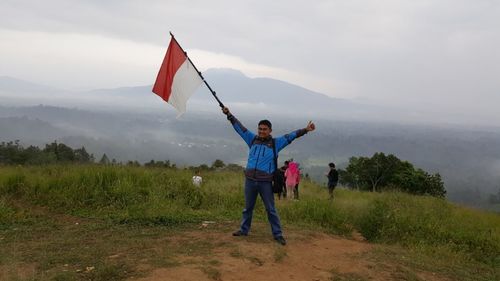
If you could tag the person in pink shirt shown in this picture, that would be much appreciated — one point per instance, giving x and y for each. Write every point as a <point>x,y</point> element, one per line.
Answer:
<point>292,175</point>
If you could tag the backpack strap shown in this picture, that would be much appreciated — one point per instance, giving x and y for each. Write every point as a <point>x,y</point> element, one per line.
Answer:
<point>254,139</point>
<point>275,156</point>
<point>274,152</point>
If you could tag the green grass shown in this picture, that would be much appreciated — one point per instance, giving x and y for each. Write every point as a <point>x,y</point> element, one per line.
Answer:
<point>122,194</point>
<point>138,198</point>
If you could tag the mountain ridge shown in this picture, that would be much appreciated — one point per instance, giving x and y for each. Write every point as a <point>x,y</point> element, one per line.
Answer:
<point>277,95</point>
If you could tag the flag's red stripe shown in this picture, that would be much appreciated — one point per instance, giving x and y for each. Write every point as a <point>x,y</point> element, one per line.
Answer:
<point>174,58</point>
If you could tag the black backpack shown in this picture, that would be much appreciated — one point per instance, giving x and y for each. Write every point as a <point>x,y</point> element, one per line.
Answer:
<point>278,176</point>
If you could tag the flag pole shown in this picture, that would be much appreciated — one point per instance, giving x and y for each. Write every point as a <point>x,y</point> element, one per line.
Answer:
<point>199,73</point>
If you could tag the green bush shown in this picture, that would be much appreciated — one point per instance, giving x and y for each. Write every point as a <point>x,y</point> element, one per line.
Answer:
<point>372,226</point>
<point>411,220</point>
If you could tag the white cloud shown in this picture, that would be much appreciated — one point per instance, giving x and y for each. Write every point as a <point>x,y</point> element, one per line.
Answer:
<point>76,60</point>
<point>439,54</point>
<point>84,61</point>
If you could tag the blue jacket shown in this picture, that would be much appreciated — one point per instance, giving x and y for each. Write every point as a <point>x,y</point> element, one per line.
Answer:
<point>260,165</point>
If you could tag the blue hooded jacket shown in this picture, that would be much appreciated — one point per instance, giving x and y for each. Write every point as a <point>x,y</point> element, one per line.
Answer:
<point>260,165</point>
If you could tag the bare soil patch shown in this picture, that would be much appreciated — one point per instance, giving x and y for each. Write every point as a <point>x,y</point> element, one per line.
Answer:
<point>212,254</point>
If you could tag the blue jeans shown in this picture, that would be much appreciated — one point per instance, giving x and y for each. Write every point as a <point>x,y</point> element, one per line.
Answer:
<point>252,188</point>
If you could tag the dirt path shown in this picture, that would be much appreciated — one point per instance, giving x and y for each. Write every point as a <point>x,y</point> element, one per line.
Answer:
<point>307,256</point>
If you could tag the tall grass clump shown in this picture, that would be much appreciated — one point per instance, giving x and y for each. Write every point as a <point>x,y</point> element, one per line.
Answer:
<point>316,213</point>
<point>399,218</point>
<point>6,213</point>
<point>417,220</point>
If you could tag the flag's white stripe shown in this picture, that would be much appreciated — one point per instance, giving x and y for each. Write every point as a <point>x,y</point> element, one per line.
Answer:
<point>186,81</point>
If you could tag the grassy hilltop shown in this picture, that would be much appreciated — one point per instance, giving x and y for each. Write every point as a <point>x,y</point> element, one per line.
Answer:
<point>144,203</point>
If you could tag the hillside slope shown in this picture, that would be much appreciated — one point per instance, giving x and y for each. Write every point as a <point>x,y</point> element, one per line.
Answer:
<point>115,222</point>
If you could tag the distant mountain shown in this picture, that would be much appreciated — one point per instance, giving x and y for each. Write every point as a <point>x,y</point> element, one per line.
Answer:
<point>10,85</point>
<point>249,96</point>
<point>256,97</point>
<point>234,87</point>
<point>19,92</point>
<point>28,130</point>
<point>246,94</point>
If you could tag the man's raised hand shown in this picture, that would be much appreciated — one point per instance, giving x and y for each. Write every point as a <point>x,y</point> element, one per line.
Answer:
<point>226,111</point>
<point>310,126</point>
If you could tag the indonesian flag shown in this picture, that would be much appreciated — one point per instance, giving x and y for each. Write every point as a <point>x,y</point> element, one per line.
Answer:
<point>177,79</point>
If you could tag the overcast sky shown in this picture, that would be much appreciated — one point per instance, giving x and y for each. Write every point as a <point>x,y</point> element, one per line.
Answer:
<point>440,55</point>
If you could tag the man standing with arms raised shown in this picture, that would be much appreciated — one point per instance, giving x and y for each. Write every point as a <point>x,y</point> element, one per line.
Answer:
<point>259,170</point>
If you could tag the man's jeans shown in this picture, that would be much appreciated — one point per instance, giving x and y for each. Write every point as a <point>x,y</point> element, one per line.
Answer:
<point>264,188</point>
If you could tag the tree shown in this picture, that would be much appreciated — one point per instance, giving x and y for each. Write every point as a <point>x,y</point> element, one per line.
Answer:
<point>494,198</point>
<point>104,160</point>
<point>81,155</point>
<point>369,173</point>
<point>12,153</point>
<point>65,153</point>
<point>234,167</point>
<point>203,167</point>
<point>218,164</point>
<point>434,185</point>
<point>351,175</point>
<point>133,163</point>
<point>159,164</point>
<point>381,171</point>
<point>51,149</point>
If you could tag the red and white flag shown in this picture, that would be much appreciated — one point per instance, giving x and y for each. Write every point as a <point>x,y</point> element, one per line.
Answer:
<point>177,79</point>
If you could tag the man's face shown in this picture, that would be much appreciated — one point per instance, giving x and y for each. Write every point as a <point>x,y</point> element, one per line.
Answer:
<point>264,131</point>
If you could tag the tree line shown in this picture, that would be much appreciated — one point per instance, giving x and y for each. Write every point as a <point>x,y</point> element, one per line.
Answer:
<point>376,173</point>
<point>13,153</point>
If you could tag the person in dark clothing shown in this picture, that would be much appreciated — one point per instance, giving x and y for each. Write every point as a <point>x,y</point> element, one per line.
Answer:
<point>260,168</point>
<point>283,169</point>
<point>280,182</point>
<point>333,179</point>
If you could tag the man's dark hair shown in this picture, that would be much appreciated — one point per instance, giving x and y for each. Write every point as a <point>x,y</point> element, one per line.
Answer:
<point>266,122</point>
<point>331,165</point>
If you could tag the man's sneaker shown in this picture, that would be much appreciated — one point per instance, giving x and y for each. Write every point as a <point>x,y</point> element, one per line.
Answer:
<point>239,233</point>
<point>281,240</point>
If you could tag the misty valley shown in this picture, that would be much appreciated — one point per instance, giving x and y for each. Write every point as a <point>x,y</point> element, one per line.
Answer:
<point>466,159</point>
